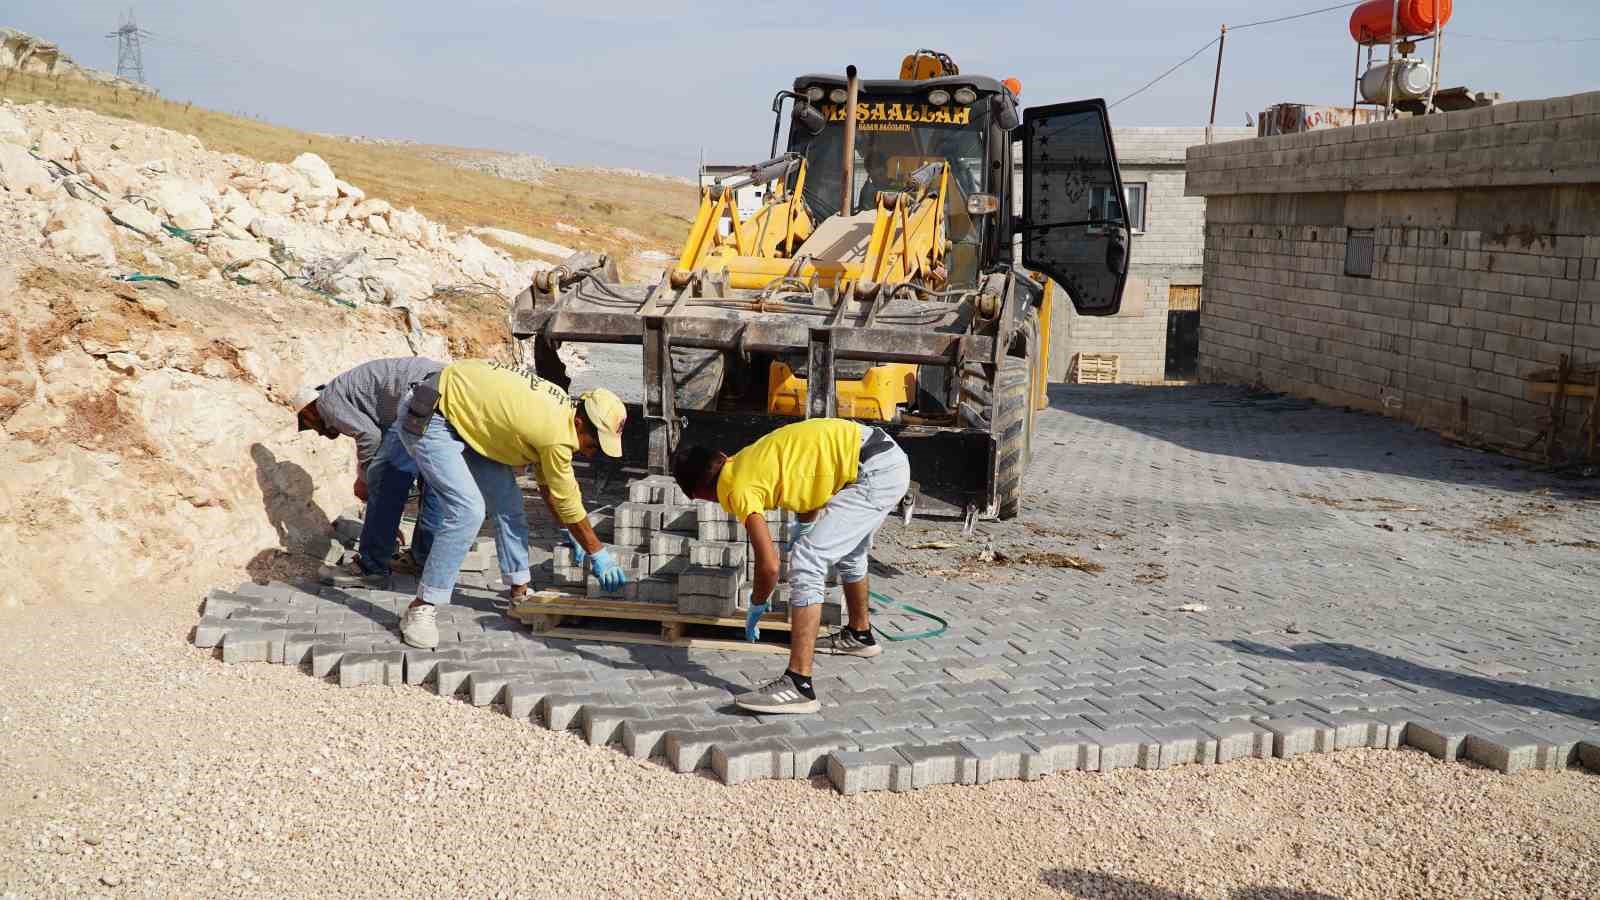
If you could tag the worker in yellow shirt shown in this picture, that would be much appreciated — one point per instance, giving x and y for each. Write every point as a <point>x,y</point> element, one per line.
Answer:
<point>842,479</point>
<point>467,428</point>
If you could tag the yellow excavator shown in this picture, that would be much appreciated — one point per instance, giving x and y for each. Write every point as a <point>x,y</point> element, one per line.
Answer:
<point>879,279</point>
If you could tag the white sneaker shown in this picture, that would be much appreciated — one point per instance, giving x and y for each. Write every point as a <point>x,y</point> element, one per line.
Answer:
<point>420,627</point>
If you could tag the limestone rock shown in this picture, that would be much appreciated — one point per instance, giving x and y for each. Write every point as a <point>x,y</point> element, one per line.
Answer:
<point>280,177</point>
<point>183,204</point>
<point>320,183</point>
<point>137,218</point>
<point>21,173</point>
<point>340,210</point>
<point>53,146</point>
<point>224,252</point>
<point>407,224</point>
<point>368,208</point>
<point>11,129</point>
<point>275,203</point>
<point>81,231</point>
<point>347,189</point>
<point>378,225</point>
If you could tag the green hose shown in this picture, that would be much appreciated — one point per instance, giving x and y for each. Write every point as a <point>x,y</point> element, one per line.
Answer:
<point>890,603</point>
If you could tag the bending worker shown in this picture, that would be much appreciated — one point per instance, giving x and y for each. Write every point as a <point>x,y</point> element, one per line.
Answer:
<point>467,428</point>
<point>842,479</point>
<point>364,404</point>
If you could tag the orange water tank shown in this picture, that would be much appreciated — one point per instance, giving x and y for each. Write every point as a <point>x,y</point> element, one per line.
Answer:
<point>1370,21</point>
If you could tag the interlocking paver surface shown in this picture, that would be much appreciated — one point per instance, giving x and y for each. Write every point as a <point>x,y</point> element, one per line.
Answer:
<point>1265,577</point>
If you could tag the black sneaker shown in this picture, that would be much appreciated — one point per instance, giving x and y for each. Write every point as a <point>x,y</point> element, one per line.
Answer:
<point>846,642</point>
<point>779,696</point>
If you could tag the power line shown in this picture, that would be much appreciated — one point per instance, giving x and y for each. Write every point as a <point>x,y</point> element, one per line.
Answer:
<point>1190,58</point>
<point>1544,40</point>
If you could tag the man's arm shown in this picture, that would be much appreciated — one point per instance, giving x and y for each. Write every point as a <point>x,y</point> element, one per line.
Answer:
<point>581,530</point>
<point>755,525</point>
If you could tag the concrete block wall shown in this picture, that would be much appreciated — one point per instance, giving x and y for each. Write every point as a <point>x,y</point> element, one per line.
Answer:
<point>1486,232</point>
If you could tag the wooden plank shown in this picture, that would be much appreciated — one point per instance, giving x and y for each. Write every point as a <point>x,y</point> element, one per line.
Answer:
<point>1571,390</point>
<point>551,604</point>
<point>688,643</point>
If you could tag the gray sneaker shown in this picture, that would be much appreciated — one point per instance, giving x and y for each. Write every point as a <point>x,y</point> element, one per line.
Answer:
<point>845,643</point>
<point>420,626</point>
<point>351,574</point>
<point>777,697</point>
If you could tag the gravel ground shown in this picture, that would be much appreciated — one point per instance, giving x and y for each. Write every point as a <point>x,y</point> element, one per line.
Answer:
<point>132,763</point>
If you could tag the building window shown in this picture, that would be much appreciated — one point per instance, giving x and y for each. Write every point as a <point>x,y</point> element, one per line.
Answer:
<point>1359,253</point>
<point>1133,197</point>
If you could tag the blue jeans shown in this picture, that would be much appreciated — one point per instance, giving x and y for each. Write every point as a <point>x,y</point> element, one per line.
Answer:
<point>389,478</point>
<point>467,486</point>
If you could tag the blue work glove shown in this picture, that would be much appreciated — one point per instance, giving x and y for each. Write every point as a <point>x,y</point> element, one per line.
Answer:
<point>752,630</point>
<point>578,554</point>
<point>607,569</point>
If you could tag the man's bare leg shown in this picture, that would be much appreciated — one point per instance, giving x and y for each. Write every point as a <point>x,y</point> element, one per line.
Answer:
<point>804,622</point>
<point>855,602</point>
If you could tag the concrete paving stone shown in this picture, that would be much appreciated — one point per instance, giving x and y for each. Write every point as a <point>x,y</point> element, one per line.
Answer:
<point>1231,711</point>
<point>999,760</point>
<point>809,752</point>
<point>994,731</point>
<point>1122,748</point>
<point>1507,753</point>
<point>245,645</point>
<point>856,772</point>
<point>745,761</point>
<point>879,740</point>
<point>358,669</point>
<point>1239,739</point>
<point>690,750</point>
<point>1295,735</point>
<point>1182,745</point>
<point>209,631</point>
<point>1060,752</point>
<point>1562,741</point>
<point>560,712</point>
<point>647,738</point>
<point>1113,721</point>
<point>945,763</point>
<point>297,647</point>
<point>1396,722</point>
<point>325,658</point>
<point>450,676</point>
<point>602,725</point>
<point>1441,738</point>
<point>220,604</point>
<point>485,687</point>
<point>420,664</point>
<point>1353,731</point>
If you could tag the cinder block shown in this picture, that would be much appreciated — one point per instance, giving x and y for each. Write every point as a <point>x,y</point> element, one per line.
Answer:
<point>871,770</point>
<point>1059,752</point>
<point>602,725</point>
<point>738,763</point>
<point>949,763</point>
<point>1000,760</point>
<point>690,750</point>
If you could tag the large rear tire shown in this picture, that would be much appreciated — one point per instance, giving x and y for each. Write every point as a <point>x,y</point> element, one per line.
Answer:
<point>1007,402</point>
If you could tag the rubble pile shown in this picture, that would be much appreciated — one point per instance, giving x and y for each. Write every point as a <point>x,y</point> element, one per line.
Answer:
<point>124,196</point>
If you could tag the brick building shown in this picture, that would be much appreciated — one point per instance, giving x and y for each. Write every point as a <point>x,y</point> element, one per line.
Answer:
<point>1423,268</point>
<point>1168,243</point>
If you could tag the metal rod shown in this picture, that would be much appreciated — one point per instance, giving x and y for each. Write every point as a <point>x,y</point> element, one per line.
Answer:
<point>1355,86</point>
<point>1394,28</point>
<point>847,205</point>
<point>1438,32</point>
<point>1216,84</point>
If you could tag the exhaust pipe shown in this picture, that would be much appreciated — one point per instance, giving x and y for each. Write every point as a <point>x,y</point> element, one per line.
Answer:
<point>847,188</point>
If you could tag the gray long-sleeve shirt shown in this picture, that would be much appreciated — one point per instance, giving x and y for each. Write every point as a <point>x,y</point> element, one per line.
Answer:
<point>365,401</point>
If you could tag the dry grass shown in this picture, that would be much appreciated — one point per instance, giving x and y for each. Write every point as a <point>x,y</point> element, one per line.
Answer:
<point>659,210</point>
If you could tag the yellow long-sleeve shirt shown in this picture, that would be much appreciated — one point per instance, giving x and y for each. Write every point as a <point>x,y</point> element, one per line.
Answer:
<point>513,416</point>
<point>798,467</point>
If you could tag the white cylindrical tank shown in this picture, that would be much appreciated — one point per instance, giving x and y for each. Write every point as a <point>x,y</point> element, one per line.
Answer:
<point>1411,81</point>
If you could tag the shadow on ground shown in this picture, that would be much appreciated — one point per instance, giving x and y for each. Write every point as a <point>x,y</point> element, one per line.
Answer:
<point>1230,421</point>
<point>288,495</point>
<point>1088,883</point>
<point>1394,668</point>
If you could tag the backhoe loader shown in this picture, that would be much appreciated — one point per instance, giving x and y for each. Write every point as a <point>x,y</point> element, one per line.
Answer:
<point>879,281</point>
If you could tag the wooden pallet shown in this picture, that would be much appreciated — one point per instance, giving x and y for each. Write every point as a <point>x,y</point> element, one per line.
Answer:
<point>573,617</point>
<point>1096,368</point>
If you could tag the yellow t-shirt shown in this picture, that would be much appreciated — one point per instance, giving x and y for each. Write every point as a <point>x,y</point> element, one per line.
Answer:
<point>799,467</point>
<point>513,416</point>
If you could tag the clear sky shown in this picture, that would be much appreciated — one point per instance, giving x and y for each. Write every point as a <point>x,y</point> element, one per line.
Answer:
<point>652,84</point>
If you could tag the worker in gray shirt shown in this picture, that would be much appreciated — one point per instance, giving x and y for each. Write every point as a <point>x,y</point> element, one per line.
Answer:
<point>364,403</point>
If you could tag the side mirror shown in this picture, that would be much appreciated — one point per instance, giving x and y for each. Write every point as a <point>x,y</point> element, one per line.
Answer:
<point>810,118</point>
<point>1006,114</point>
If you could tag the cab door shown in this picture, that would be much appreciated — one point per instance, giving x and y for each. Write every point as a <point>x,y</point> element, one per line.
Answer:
<point>1074,218</point>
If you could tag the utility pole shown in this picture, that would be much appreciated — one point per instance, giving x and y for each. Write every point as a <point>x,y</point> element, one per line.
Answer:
<point>130,56</point>
<point>1216,84</point>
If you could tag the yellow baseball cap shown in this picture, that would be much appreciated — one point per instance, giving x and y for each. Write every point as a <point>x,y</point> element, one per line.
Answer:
<point>608,415</point>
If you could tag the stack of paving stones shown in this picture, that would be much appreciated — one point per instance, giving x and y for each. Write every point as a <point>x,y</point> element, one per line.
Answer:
<point>689,555</point>
<point>1322,633</point>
